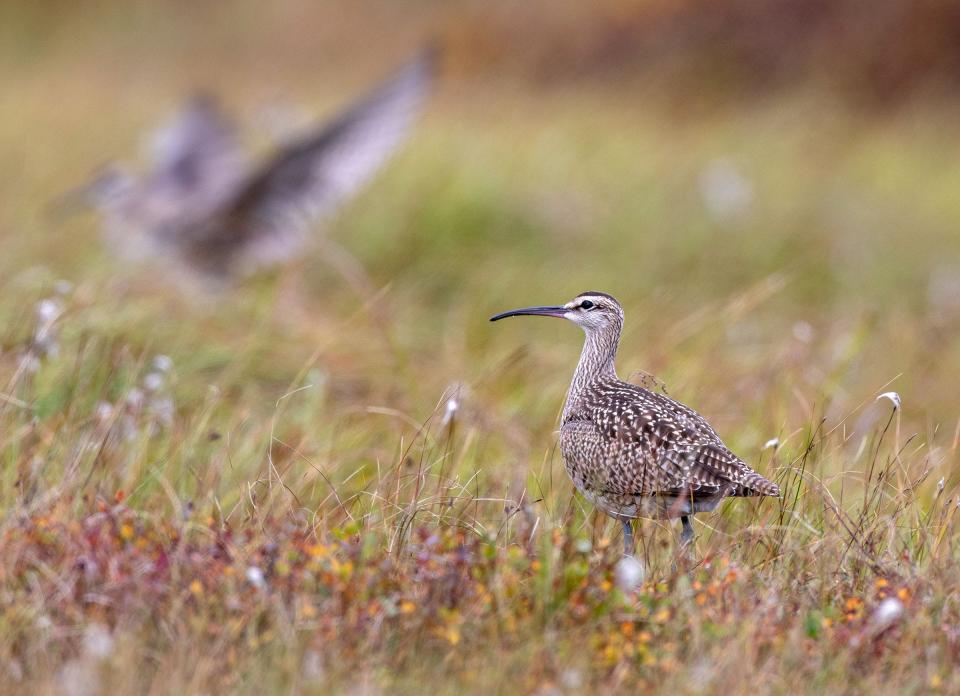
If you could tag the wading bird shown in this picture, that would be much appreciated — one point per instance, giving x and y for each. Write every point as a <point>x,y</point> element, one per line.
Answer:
<point>633,452</point>
<point>204,205</point>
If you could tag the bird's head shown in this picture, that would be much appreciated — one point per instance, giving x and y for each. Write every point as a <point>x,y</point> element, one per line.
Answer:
<point>593,311</point>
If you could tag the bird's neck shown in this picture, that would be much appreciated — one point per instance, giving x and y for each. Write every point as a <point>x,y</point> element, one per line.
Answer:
<point>596,364</point>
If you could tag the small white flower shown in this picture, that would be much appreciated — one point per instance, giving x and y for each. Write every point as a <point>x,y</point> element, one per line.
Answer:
<point>163,410</point>
<point>163,363</point>
<point>153,381</point>
<point>255,577</point>
<point>941,484</point>
<point>772,443</point>
<point>45,333</point>
<point>450,411</point>
<point>889,611</point>
<point>31,363</point>
<point>63,287</point>
<point>104,410</point>
<point>894,399</point>
<point>135,398</point>
<point>97,641</point>
<point>48,310</point>
<point>628,573</point>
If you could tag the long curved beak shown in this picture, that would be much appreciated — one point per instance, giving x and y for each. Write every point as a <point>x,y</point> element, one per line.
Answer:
<point>532,311</point>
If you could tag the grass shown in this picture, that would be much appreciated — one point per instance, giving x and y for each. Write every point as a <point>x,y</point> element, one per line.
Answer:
<point>314,491</point>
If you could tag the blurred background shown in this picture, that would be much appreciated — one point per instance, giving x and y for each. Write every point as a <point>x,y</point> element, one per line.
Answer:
<point>770,188</point>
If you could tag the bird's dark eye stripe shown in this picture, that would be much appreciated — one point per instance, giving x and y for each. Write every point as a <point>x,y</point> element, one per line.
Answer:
<point>586,304</point>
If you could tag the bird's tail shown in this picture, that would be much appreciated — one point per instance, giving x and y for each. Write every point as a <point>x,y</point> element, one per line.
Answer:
<point>755,484</point>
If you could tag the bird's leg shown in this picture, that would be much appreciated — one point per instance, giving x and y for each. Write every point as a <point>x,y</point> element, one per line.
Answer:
<point>686,536</point>
<point>627,537</point>
<point>684,555</point>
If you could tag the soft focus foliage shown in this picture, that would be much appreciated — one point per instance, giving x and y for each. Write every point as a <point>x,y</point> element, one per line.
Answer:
<point>291,485</point>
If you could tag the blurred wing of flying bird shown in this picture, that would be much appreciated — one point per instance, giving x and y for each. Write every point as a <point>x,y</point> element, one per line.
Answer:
<point>269,217</point>
<point>205,206</point>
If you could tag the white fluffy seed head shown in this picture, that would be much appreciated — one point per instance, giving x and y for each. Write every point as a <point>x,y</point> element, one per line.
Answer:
<point>135,398</point>
<point>47,310</point>
<point>255,577</point>
<point>153,381</point>
<point>889,611</point>
<point>450,411</point>
<point>628,573</point>
<point>104,410</point>
<point>893,397</point>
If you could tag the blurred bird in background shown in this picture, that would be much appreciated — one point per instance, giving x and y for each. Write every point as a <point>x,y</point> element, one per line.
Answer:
<point>219,216</point>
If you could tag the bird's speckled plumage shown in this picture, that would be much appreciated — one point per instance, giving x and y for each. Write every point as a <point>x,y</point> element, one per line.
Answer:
<point>631,451</point>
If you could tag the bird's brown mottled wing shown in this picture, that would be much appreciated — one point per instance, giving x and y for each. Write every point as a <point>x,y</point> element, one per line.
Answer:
<point>650,444</point>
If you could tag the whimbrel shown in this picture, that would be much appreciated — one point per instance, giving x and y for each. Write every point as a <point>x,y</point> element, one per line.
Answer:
<point>204,205</point>
<point>633,452</point>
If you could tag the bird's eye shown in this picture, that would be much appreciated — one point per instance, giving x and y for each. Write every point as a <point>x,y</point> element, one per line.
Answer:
<point>586,304</point>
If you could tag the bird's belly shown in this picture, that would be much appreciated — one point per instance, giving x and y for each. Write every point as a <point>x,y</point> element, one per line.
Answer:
<point>652,506</point>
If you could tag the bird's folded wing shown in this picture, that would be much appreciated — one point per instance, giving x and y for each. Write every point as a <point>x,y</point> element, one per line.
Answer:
<point>663,451</point>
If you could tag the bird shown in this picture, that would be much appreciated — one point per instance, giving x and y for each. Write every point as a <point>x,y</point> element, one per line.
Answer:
<point>633,452</point>
<point>215,213</point>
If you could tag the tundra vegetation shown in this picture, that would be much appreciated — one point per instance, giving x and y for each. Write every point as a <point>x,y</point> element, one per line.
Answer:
<point>302,485</point>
